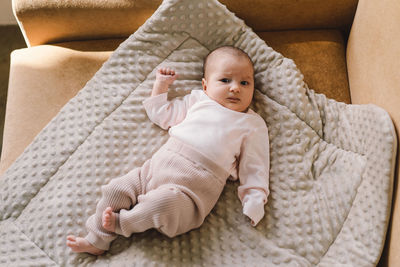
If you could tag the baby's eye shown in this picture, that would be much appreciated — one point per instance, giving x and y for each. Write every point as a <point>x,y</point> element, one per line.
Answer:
<point>224,80</point>
<point>244,83</point>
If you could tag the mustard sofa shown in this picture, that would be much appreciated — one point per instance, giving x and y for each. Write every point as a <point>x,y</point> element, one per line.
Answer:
<point>346,49</point>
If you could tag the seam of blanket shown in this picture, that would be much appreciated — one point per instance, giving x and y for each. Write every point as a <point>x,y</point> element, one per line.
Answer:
<point>362,155</point>
<point>336,146</point>
<point>323,139</point>
<point>315,131</point>
<point>341,227</point>
<point>393,152</point>
<point>345,220</point>
<point>83,141</point>
<point>390,197</point>
<point>93,129</point>
<point>29,239</point>
<point>307,93</point>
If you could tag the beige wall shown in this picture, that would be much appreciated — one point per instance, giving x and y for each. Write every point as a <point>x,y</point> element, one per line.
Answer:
<point>6,14</point>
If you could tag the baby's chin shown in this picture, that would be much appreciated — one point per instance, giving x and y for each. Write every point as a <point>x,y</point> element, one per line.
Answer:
<point>232,105</point>
<point>235,107</point>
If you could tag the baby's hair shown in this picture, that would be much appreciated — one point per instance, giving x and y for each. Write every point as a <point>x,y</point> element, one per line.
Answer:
<point>227,48</point>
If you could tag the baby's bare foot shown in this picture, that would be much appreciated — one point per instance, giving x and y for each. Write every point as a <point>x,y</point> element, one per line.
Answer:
<point>79,244</point>
<point>108,219</point>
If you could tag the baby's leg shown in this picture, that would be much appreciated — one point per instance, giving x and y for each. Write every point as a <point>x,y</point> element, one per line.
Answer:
<point>166,208</point>
<point>120,193</point>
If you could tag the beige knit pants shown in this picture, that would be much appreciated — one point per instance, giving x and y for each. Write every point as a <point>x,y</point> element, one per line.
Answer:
<point>173,192</point>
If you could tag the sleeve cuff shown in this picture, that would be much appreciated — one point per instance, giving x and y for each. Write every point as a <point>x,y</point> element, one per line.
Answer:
<point>255,211</point>
<point>118,229</point>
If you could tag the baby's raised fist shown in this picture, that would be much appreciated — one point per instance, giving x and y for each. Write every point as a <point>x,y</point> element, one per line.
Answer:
<point>166,76</point>
<point>166,71</point>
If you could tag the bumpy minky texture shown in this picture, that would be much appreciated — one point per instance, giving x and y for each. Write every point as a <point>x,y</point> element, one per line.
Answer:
<point>331,163</point>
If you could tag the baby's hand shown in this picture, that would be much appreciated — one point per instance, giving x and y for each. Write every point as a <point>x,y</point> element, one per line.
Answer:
<point>166,76</point>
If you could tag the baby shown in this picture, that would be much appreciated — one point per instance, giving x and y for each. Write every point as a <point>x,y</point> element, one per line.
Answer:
<point>214,135</point>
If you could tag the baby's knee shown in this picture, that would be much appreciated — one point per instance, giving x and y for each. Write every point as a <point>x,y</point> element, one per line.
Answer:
<point>172,197</point>
<point>108,188</point>
<point>177,212</point>
<point>112,189</point>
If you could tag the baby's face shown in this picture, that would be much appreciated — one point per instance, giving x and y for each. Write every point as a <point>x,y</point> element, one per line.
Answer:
<point>229,80</point>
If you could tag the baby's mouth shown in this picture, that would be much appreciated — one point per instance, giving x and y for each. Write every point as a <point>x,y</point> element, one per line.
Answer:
<point>233,99</point>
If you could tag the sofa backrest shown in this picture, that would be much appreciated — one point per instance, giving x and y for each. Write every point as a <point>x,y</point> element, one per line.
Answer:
<point>44,22</point>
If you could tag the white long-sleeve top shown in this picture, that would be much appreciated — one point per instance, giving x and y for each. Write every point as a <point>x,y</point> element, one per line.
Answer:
<point>236,141</point>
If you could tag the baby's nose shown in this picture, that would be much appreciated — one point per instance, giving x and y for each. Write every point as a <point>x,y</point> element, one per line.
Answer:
<point>235,88</point>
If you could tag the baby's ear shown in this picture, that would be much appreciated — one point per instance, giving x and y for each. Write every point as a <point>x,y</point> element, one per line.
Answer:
<point>204,84</point>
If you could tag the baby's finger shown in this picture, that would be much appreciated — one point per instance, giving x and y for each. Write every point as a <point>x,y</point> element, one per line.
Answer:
<point>166,71</point>
<point>170,71</point>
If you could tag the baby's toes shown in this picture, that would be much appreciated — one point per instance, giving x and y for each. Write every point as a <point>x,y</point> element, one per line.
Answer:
<point>71,241</point>
<point>71,238</point>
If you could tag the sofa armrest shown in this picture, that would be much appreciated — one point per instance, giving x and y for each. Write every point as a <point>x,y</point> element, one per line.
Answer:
<point>373,61</point>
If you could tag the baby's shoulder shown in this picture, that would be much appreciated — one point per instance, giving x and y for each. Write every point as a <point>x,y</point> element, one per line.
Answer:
<point>197,93</point>
<point>256,119</point>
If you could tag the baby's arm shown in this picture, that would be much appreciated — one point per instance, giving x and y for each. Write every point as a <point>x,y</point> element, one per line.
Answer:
<point>164,78</point>
<point>166,113</point>
<point>254,174</point>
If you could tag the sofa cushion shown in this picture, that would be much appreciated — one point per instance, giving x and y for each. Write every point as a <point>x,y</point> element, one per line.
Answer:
<point>331,163</point>
<point>319,54</point>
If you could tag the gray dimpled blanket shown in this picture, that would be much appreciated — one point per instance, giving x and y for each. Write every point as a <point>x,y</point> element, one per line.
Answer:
<point>331,163</point>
